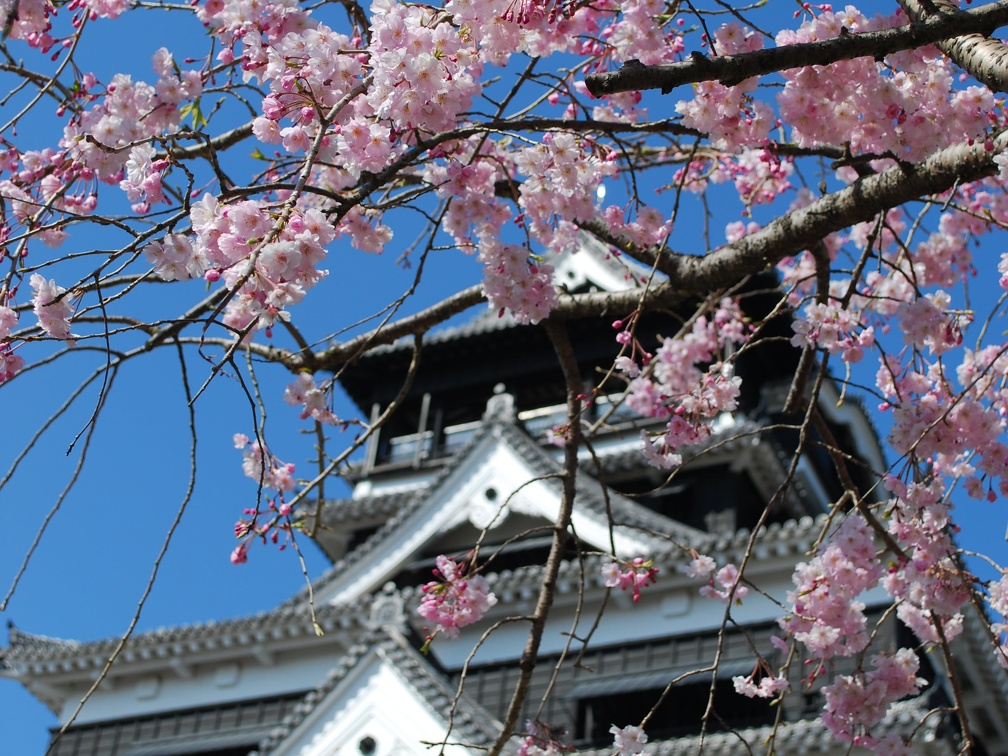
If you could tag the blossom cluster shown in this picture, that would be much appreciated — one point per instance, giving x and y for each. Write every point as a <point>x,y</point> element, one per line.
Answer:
<point>542,740</point>
<point>997,598</point>
<point>865,104</point>
<point>634,574</point>
<point>272,475</point>
<point>725,585</point>
<point>315,400</point>
<point>562,174</point>
<point>267,269</point>
<point>769,686</point>
<point>731,115</point>
<point>11,363</point>
<point>512,281</point>
<point>456,599</point>
<point>628,740</point>
<point>855,703</point>
<point>827,615</point>
<point>53,308</point>
<point>686,382</point>
<point>929,581</point>
<point>129,113</point>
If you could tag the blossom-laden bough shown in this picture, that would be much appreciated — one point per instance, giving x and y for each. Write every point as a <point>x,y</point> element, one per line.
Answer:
<point>862,158</point>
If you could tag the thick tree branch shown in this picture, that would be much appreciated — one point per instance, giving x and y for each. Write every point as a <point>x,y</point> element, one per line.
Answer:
<point>692,276</point>
<point>986,60</point>
<point>732,69</point>
<point>209,145</point>
<point>689,276</point>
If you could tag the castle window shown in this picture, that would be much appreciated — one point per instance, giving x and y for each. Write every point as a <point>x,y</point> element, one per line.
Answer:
<point>679,714</point>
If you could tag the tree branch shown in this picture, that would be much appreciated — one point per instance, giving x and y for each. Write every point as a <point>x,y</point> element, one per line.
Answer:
<point>732,69</point>
<point>334,356</point>
<point>986,60</point>
<point>690,276</point>
<point>547,587</point>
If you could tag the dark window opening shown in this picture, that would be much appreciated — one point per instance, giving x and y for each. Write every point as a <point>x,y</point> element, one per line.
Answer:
<point>714,498</point>
<point>532,549</point>
<point>680,714</point>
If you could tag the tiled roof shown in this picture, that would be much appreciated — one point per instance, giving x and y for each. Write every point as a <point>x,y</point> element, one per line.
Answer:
<point>471,723</point>
<point>293,619</point>
<point>489,321</point>
<point>801,737</point>
<point>21,644</point>
<point>368,506</point>
<point>485,322</point>
<point>589,496</point>
<point>405,506</point>
<point>791,539</point>
<point>288,621</point>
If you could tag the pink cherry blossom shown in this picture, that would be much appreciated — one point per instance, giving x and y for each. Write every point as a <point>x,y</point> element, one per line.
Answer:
<point>725,586</point>
<point>635,574</point>
<point>702,566</point>
<point>768,686</point>
<point>855,703</point>
<point>53,308</point>
<point>628,740</point>
<point>456,599</point>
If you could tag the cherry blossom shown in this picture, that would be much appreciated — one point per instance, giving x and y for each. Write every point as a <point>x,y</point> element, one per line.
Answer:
<point>456,599</point>
<point>725,586</point>
<point>685,383</point>
<point>302,141</point>
<point>854,703</point>
<point>828,616</point>
<point>768,686</point>
<point>635,574</point>
<point>542,740</point>
<point>53,308</point>
<point>628,740</point>
<point>314,399</point>
<point>702,566</point>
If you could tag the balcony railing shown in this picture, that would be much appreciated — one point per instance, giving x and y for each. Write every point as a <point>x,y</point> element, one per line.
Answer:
<point>417,448</point>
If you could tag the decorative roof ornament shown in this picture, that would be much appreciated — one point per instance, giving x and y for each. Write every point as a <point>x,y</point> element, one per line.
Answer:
<point>501,406</point>
<point>388,609</point>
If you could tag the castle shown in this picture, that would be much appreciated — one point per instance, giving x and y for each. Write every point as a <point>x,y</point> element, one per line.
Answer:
<point>465,459</point>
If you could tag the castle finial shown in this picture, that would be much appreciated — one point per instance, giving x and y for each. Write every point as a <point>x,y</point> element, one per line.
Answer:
<point>500,406</point>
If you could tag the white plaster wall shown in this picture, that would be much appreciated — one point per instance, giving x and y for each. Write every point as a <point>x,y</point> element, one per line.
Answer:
<point>374,702</point>
<point>461,497</point>
<point>658,614</point>
<point>230,681</point>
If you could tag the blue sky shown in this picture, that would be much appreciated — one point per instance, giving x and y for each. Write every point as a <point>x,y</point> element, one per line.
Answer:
<point>93,564</point>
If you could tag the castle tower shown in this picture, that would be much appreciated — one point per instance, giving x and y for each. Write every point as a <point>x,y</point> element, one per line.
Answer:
<point>466,459</point>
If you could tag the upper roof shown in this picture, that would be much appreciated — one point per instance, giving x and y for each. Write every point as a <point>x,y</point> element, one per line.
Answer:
<point>500,471</point>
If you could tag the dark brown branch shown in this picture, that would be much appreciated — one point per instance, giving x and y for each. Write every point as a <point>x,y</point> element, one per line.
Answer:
<point>732,69</point>
<point>547,588</point>
<point>691,276</point>
<point>334,356</point>
<point>986,60</point>
<point>207,146</point>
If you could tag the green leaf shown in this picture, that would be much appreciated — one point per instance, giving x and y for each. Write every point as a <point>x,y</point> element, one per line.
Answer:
<point>192,109</point>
